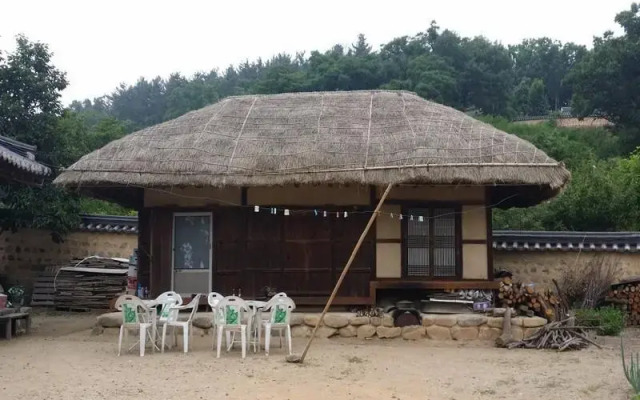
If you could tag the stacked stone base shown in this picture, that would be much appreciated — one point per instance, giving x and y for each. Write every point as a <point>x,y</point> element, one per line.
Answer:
<point>348,325</point>
<point>434,327</point>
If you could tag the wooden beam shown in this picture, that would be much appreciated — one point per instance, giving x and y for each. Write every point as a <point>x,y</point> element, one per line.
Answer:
<point>489,226</point>
<point>436,284</point>
<point>318,301</point>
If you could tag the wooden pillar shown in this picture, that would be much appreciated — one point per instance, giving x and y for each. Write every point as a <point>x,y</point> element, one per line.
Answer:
<point>144,247</point>
<point>161,251</point>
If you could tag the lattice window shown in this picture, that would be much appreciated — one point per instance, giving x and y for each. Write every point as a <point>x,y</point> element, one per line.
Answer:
<point>431,244</point>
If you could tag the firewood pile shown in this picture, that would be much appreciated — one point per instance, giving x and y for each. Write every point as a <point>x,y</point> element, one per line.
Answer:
<point>559,335</point>
<point>626,296</point>
<point>526,300</point>
<point>90,284</point>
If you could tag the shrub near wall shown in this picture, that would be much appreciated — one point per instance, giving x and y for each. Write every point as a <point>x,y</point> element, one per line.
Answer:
<point>609,320</point>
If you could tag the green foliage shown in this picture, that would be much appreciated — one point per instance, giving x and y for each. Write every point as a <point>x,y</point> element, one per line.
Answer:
<point>46,208</point>
<point>569,145</point>
<point>537,98</point>
<point>631,372</point>
<point>30,111</point>
<point>549,61</point>
<point>435,79</point>
<point>101,207</point>
<point>604,193</point>
<point>469,73</point>
<point>29,96</point>
<point>610,320</point>
<point>607,80</point>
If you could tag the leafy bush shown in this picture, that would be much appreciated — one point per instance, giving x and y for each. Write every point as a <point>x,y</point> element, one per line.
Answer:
<point>610,320</point>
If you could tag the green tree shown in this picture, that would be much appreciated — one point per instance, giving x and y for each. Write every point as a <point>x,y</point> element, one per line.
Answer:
<point>520,97</point>
<point>537,98</point>
<point>487,76</point>
<point>142,104</point>
<point>603,193</point>
<point>433,78</point>
<point>30,110</point>
<point>607,80</point>
<point>361,48</point>
<point>548,60</point>
<point>282,75</point>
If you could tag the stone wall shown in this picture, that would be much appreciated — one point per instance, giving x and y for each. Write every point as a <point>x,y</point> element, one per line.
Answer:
<point>26,253</point>
<point>434,327</point>
<point>540,267</point>
<point>461,327</point>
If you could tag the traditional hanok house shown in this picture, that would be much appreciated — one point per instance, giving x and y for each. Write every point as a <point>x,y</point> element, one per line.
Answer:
<point>18,163</point>
<point>274,191</point>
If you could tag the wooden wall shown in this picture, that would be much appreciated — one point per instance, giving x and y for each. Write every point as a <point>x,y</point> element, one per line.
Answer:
<point>301,254</point>
<point>304,254</point>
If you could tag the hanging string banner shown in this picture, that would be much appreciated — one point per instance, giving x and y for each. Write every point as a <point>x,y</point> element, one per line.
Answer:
<point>325,213</point>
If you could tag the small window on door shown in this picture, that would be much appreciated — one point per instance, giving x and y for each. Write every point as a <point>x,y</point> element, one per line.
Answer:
<point>431,242</point>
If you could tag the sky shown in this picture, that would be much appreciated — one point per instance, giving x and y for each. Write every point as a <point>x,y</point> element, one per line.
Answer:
<point>101,44</point>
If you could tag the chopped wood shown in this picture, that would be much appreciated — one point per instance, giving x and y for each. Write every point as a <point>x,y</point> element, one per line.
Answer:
<point>559,335</point>
<point>529,301</point>
<point>626,297</point>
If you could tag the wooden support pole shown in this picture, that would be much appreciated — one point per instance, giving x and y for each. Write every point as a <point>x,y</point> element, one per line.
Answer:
<point>346,269</point>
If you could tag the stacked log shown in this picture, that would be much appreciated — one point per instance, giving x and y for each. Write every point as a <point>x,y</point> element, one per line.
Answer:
<point>627,298</point>
<point>526,300</point>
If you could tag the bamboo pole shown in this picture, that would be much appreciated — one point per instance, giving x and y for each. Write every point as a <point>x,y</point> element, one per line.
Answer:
<point>345,270</point>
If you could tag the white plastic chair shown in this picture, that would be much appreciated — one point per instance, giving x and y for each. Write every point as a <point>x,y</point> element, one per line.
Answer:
<point>166,301</point>
<point>279,319</point>
<point>232,309</point>
<point>214,300</point>
<point>136,315</point>
<point>278,295</point>
<point>254,322</point>
<point>186,325</point>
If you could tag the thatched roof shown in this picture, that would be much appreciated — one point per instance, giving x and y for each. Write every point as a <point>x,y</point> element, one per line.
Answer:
<point>362,137</point>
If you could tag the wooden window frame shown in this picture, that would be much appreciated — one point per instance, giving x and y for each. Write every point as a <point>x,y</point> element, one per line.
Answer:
<point>458,240</point>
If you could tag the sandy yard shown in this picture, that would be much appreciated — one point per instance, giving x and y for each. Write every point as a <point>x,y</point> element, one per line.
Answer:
<point>62,360</point>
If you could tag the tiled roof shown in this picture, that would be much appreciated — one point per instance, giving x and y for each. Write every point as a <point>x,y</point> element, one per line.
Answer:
<point>109,223</point>
<point>502,240</point>
<point>566,241</point>
<point>22,156</point>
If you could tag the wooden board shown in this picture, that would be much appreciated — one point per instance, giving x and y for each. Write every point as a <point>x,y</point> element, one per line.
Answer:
<point>301,254</point>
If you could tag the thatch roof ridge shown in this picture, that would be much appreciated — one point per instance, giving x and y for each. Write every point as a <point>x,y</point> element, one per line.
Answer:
<point>371,137</point>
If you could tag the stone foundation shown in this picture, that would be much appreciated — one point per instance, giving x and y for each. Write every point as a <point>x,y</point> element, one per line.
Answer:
<point>462,327</point>
<point>434,326</point>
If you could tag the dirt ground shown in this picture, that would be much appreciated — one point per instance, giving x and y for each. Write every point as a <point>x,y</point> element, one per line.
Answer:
<point>62,360</point>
